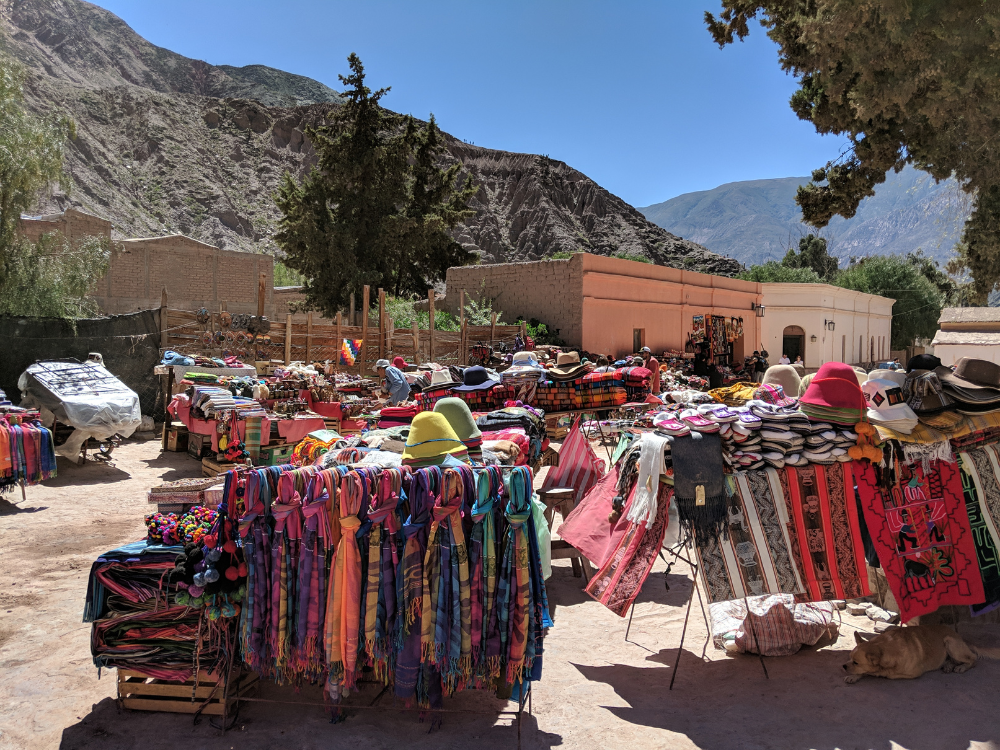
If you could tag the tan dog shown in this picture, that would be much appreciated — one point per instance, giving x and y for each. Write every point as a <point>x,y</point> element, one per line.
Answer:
<point>906,653</point>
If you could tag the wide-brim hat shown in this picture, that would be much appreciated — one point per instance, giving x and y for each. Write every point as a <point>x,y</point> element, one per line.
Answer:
<point>475,379</point>
<point>886,402</point>
<point>524,358</point>
<point>896,376</point>
<point>441,379</point>
<point>568,367</point>
<point>923,362</point>
<point>459,416</point>
<point>431,436</point>
<point>785,376</point>
<point>974,374</point>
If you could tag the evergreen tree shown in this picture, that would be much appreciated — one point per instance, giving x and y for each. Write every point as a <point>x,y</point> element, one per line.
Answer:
<point>377,207</point>
<point>914,82</point>
<point>812,254</point>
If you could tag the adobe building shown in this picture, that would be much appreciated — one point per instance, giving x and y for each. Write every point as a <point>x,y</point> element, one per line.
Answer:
<point>968,332</point>
<point>615,306</point>
<point>194,273</point>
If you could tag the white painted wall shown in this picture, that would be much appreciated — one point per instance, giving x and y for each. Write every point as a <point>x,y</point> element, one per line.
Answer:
<point>811,307</point>
<point>949,354</point>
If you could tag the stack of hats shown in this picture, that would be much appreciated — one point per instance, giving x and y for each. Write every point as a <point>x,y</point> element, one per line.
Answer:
<point>834,395</point>
<point>974,386</point>
<point>459,416</point>
<point>440,387</point>
<point>432,441</point>
<point>476,388</point>
<point>826,443</point>
<point>886,403</point>
<point>741,448</point>
<point>783,433</point>
<point>926,396</point>
<point>568,367</point>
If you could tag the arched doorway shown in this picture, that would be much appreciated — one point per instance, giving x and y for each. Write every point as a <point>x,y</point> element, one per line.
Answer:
<point>793,342</point>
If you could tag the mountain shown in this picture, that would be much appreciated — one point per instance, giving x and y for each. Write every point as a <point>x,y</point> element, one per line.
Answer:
<point>758,220</point>
<point>169,144</point>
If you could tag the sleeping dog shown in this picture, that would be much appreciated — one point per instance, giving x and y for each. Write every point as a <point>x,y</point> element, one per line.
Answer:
<point>906,653</point>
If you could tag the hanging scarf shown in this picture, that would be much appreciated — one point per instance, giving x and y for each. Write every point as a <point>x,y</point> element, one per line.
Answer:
<point>347,582</point>
<point>483,576</point>
<point>313,577</point>
<point>514,591</point>
<point>446,637</point>
<point>424,487</point>
<point>381,583</point>
<point>284,573</point>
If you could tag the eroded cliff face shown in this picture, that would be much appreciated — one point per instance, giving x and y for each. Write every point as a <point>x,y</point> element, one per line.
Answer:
<point>169,144</point>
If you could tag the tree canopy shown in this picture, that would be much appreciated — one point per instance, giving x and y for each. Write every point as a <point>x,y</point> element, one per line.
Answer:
<point>52,277</point>
<point>914,82</point>
<point>378,207</point>
<point>918,301</point>
<point>773,271</point>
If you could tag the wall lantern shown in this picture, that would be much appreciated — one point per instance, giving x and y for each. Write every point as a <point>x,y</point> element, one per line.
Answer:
<point>829,325</point>
<point>813,338</point>
<point>759,309</point>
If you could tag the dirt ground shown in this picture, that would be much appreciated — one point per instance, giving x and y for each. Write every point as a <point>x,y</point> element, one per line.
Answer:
<point>598,690</point>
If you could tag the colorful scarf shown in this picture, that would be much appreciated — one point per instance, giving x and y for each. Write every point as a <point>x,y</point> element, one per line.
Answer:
<point>313,578</point>
<point>483,577</point>
<point>346,586</point>
<point>981,485</point>
<point>920,528</point>
<point>383,557</point>
<point>514,591</point>
<point>284,573</point>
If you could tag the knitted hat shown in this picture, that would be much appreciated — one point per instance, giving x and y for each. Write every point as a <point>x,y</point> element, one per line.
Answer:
<point>773,394</point>
<point>785,376</point>
<point>431,436</point>
<point>459,416</point>
<point>804,383</point>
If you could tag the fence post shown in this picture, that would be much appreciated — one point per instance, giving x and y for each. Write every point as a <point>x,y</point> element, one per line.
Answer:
<point>464,343</point>
<point>340,343</point>
<point>524,333</point>
<point>351,321</point>
<point>430,310</point>
<point>261,293</point>
<point>288,338</point>
<point>416,342</point>
<point>163,319</point>
<point>382,327</point>
<point>364,327</point>
<point>493,328</point>
<point>461,328</point>
<point>309,338</point>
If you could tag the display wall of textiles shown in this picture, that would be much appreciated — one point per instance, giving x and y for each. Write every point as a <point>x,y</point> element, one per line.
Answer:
<point>429,581</point>
<point>27,451</point>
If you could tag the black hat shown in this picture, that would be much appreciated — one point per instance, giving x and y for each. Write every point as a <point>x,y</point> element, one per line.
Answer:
<point>923,362</point>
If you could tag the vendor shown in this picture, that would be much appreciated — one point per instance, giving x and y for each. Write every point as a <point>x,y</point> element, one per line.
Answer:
<point>395,382</point>
<point>654,367</point>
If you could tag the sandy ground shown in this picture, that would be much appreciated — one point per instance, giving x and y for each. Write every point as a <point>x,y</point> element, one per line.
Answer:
<point>598,690</point>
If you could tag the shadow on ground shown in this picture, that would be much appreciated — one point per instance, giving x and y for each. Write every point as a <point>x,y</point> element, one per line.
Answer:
<point>805,704</point>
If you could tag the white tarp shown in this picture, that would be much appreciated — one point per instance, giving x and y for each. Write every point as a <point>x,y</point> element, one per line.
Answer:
<point>84,395</point>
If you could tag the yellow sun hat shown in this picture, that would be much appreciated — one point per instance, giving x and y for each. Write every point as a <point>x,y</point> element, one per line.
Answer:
<point>431,436</point>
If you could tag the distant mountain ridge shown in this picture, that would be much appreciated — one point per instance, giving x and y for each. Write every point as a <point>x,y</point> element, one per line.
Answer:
<point>170,144</point>
<point>757,220</point>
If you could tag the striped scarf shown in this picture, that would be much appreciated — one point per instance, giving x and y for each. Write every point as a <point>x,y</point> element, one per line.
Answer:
<point>514,591</point>
<point>380,601</point>
<point>446,637</point>
<point>313,578</point>
<point>346,587</point>
<point>284,573</point>
<point>483,574</point>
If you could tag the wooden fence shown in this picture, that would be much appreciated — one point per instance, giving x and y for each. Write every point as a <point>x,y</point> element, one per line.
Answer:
<point>319,340</point>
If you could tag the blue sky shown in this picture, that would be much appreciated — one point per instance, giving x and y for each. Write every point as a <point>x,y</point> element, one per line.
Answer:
<point>634,94</point>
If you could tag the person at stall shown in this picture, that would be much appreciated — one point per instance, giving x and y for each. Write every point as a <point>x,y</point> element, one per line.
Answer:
<point>700,365</point>
<point>395,384</point>
<point>784,360</point>
<point>653,366</point>
<point>761,367</point>
<point>714,376</point>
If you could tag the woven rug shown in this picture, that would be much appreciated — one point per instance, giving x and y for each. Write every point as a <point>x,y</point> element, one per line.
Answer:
<point>981,485</point>
<point>756,558</point>
<point>920,529</point>
<point>827,534</point>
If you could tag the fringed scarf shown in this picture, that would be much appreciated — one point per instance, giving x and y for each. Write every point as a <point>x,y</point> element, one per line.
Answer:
<point>383,557</point>
<point>313,577</point>
<point>423,490</point>
<point>346,587</point>
<point>483,578</point>
<point>446,637</point>
<point>514,590</point>
<point>699,485</point>
<point>256,538</point>
<point>285,541</point>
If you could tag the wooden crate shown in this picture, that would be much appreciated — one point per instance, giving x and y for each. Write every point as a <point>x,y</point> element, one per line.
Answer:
<point>199,445</point>
<point>177,441</point>
<point>211,468</point>
<point>141,693</point>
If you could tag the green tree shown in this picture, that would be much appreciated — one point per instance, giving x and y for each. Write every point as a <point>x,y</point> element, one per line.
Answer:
<point>915,82</point>
<point>950,290</point>
<point>918,301</point>
<point>812,254</point>
<point>376,209</point>
<point>51,277</point>
<point>773,271</point>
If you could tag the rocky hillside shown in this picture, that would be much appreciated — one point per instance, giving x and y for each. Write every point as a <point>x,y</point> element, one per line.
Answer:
<point>169,144</point>
<point>755,221</point>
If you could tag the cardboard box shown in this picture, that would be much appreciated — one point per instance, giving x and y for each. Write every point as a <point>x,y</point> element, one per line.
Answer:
<point>275,455</point>
<point>177,441</point>
<point>199,446</point>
